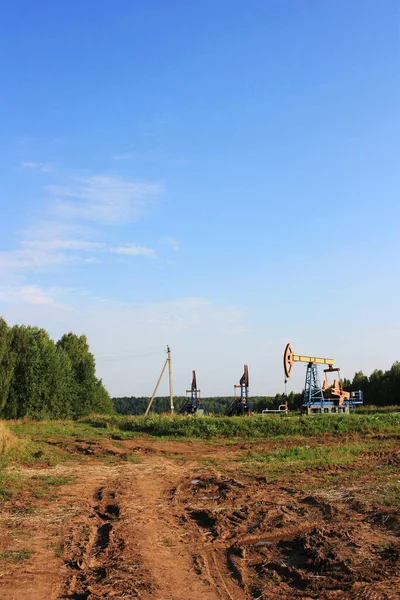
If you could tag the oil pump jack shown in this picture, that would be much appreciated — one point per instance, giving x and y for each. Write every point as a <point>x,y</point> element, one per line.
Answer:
<point>328,398</point>
<point>241,404</point>
<point>192,404</point>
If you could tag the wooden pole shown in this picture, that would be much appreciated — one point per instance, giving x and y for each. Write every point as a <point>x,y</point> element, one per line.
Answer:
<point>156,388</point>
<point>171,395</point>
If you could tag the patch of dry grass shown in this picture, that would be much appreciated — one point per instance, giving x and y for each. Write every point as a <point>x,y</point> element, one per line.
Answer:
<point>9,442</point>
<point>23,450</point>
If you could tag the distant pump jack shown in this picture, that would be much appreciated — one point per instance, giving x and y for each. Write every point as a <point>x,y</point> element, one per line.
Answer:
<point>193,404</point>
<point>241,404</point>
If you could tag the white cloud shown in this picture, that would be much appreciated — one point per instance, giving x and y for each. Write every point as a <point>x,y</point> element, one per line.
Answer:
<point>38,166</point>
<point>32,294</point>
<point>26,294</point>
<point>50,229</point>
<point>38,254</point>
<point>134,250</point>
<point>103,198</point>
<point>27,258</point>
<point>64,244</point>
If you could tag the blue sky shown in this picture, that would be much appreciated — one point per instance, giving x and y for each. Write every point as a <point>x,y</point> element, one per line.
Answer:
<point>219,176</point>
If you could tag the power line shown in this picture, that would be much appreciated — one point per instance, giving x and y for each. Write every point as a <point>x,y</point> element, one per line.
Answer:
<point>126,356</point>
<point>146,348</point>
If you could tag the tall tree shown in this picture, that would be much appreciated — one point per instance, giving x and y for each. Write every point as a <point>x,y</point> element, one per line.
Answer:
<point>90,394</point>
<point>7,363</point>
<point>26,380</point>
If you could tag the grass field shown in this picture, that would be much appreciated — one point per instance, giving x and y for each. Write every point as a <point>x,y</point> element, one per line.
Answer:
<point>245,427</point>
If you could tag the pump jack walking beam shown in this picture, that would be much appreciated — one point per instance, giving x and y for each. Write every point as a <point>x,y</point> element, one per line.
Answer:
<point>289,358</point>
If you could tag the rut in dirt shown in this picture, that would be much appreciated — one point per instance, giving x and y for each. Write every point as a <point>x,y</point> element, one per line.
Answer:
<point>94,552</point>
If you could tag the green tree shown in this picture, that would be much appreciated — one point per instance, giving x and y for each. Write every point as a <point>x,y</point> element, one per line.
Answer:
<point>103,403</point>
<point>7,363</point>
<point>360,382</point>
<point>61,385</point>
<point>26,381</point>
<point>374,392</point>
<point>89,393</point>
<point>390,389</point>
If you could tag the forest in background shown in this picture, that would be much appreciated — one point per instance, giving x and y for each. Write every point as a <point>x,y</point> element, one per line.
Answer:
<point>381,388</point>
<point>40,378</point>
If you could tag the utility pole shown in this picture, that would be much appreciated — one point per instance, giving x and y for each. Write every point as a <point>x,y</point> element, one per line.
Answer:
<point>171,398</point>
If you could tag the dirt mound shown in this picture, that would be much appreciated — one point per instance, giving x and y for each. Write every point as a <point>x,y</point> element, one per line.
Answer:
<point>280,544</point>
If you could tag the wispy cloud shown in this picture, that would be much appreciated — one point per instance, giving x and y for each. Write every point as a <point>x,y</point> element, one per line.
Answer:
<point>78,226</point>
<point>28,258</point>
<point>134,250</point>
<point>32,294</point>
<point>123,156</point>
<point>172,242</point>
<point>43,167</point>
<point>64,244</point>
<point>103,198</point>
<point>26,294</point>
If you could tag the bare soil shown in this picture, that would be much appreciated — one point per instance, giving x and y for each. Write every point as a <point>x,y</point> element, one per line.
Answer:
<point>166,525</point>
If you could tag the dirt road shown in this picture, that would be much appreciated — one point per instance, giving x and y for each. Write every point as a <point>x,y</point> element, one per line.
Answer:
<point>165,527</point>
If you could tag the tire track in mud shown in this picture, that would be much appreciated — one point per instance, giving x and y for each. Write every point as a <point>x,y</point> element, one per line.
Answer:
<point>95,557</point>
<point>88,557</point>
<point>128,544</point>
<point>165,549</point>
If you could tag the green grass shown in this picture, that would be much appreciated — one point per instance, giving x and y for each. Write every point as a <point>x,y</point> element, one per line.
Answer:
<point>133,458</point>
<point>59,429</point>
<point>54,479</point>
<point>207,428</point>
<point>391,495</point>
<point>40,486</point>
<point>16,556</point>
<point>208,462</point>
<point>302,457</point>
<point>246,427</point>
<point>10,484</point>
<point>370,409</point>
<point>20,448</point>
<point>58,550</point>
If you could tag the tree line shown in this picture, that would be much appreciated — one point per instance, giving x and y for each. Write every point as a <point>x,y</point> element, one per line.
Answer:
<point>215,405</point>
<point>40,378</point>
<point>381,388</point>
